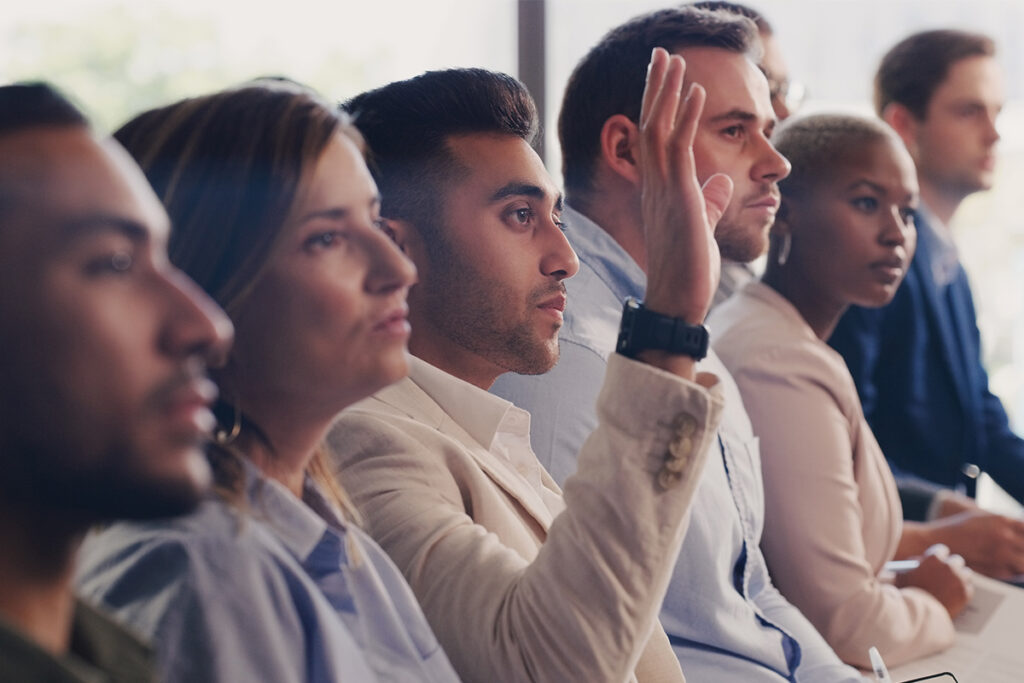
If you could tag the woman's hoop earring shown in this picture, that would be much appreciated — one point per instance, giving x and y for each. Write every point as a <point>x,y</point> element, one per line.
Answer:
<point>224,437</point>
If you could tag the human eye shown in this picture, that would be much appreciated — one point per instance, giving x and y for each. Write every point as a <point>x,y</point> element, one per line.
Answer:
<point>909,215</point>
<point>969,111</point>
<point>114,262</point>
<point>520,217</point>
<point>323,240</point>
<point>734,132</point>
<point>559,223</point>
<point>864,204</point>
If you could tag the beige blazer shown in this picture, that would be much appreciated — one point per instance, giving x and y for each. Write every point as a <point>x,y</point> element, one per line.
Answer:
<point>513,594</point>
<point>832,513</point>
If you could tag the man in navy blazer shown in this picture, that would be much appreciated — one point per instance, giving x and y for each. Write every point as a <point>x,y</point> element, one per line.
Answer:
<point>917,361</point>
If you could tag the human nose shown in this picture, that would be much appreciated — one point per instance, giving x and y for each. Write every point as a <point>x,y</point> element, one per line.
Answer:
<point>992,135</point>
<point>390,269</point>
<point>559,260</point>
<point>897,230</point>
<point>770,165</point>
<point>195,324</point>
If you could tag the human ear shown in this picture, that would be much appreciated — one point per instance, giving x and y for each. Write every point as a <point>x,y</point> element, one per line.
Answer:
<point>904,123</point>
<point>620,146</point>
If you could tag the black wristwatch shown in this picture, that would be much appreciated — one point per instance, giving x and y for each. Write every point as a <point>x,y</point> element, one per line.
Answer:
<point>642,330</point>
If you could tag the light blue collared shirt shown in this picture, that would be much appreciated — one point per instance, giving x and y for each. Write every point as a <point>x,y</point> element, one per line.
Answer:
<point>725,619</point>
<point>280,590</point>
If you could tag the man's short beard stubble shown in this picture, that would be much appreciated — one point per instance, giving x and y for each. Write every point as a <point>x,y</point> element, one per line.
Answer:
<point>471,310</point>
<point>740,243</point>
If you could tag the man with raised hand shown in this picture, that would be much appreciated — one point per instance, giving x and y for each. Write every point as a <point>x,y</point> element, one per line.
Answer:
<point>725,619</point>
<point>519,582</point>
<point>105,402</point>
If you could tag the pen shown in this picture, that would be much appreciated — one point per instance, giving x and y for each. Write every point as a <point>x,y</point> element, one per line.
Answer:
<point>900,566</point>
<point>881,673</point>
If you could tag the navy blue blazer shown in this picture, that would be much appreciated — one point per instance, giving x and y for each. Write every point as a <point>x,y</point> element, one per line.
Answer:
<point>917,366</point>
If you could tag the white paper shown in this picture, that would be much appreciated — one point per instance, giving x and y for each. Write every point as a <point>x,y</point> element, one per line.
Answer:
<point>988,646</point>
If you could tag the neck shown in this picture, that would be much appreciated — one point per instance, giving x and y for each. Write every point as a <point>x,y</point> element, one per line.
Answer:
<point>942,204</point>
<point>36,569</point>
<point>294,437</point>
<point>619,215</point>
<point>818,310</point>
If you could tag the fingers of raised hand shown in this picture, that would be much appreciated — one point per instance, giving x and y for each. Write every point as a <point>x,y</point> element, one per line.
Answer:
<point>667,122</point>
<point>653,84</point>
<point>662,92</point>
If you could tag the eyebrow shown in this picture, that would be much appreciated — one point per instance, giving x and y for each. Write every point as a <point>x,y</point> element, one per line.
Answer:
<point>870,185</point>
<point>516,189</point>
<point>741,115</point>
<point>879,189</point>
<point>733,115</point>
<point>334,213</point>
<point>100,223</point>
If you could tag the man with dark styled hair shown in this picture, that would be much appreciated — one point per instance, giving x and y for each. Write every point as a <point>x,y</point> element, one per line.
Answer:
<point>917,362</point>
<point>105,401</point>
<point>725,619</point>
<point>519,583</point>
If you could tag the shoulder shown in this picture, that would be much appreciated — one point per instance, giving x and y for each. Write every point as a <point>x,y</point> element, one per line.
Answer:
<point>375,429</point>
<point>750,334</point>
<point>378,452</point>
<point>216,554</point>
<point>772,352</point>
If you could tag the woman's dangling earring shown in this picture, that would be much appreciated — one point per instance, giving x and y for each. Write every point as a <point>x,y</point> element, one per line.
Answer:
<point>787,244</point>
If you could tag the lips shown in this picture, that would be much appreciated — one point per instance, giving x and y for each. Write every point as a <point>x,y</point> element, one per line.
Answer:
<point>394,321</point>
<point>188,403</point>
<point>554,306</point>
<point>890,269</point>
<point>769,201</point>
<point>556,303</point>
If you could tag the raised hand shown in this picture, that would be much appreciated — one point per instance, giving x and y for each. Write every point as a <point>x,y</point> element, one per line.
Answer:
<point>683,262</point>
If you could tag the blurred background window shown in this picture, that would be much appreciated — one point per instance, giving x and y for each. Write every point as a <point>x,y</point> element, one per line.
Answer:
<point>119,57</point>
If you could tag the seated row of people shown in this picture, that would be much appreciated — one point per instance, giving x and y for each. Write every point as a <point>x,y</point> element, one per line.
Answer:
<point>469,259</point>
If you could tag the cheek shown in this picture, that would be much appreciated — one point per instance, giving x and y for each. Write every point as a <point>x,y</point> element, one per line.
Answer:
<point>830,243</point>
<point>95,382</point>
<point>708,158</point>
<point>299,326</point>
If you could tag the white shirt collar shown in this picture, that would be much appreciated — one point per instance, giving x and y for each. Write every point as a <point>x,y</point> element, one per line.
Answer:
<point>479,412</point>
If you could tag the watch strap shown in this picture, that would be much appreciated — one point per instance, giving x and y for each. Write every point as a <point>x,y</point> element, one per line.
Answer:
<point>643,330</point>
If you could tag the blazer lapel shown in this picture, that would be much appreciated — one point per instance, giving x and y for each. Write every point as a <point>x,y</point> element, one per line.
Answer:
<point>407,396</point>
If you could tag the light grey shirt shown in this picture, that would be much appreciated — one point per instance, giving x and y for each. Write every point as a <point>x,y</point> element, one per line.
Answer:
<point>284,591</point>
